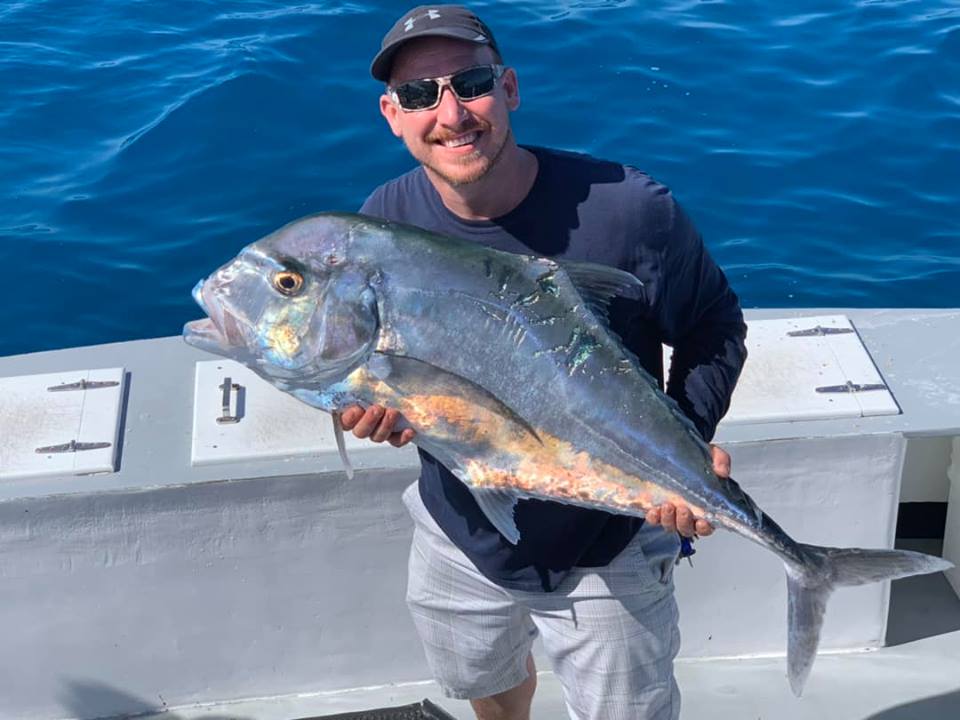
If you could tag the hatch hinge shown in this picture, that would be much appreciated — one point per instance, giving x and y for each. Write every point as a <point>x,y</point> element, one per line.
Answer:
<point>820,330</point>
<point>83,385</point>
<point>72,446</point>
<point>851,387</point>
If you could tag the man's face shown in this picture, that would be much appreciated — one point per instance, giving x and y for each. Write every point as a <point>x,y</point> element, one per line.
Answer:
<point>458,140</point>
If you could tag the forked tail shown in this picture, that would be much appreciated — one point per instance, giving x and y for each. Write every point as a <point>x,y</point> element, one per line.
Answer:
<point>809,585</point>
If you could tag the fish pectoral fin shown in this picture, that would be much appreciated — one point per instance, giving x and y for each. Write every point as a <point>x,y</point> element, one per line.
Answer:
<point>499,507</point>
<point>408,375</point>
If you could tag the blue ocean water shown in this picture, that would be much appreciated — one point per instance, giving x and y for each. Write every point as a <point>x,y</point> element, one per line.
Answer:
<point>815,143</point>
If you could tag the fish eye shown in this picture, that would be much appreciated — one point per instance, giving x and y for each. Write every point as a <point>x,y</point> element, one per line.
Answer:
<point>288,282</point>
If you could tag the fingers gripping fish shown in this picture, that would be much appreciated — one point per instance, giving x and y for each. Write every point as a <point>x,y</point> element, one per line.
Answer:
<point>466,343</point>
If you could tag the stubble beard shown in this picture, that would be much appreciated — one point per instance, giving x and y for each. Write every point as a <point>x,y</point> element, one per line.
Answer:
<point>479,172</point>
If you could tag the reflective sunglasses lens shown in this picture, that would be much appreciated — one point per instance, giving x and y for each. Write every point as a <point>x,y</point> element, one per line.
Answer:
<point>417,94</point>
<point>473,82</point>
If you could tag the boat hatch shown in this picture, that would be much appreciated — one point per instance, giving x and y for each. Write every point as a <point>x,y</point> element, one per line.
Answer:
<point>65,423</point>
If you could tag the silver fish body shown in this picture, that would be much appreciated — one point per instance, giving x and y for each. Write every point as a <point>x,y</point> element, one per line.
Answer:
<point>505,367</point>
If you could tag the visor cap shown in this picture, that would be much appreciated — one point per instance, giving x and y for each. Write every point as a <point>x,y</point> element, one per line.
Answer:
<point>454,21</point>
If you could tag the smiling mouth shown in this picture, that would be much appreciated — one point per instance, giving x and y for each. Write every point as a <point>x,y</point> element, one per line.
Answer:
<point>468,138</point>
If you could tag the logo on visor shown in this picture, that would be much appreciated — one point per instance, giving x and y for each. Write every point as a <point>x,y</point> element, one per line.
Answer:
<point>429,15</point>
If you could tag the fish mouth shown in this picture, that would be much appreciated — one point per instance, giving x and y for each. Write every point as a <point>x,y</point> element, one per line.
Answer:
<point>205,335</point>
<point>219,332</point>
<point>213,310</point>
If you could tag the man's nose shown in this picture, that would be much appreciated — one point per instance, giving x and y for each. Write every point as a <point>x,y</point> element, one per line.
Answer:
<point>451,110</point>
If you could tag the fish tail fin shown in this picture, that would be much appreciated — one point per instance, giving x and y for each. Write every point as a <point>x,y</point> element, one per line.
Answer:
<point>811,582</point>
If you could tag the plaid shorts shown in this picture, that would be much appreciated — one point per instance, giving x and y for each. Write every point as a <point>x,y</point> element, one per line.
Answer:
<point>610,633</point>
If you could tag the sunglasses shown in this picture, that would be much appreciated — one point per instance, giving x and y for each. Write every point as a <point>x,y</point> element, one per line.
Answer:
<point>425,94</point>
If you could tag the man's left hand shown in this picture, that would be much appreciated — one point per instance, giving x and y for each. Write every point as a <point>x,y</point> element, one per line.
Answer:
<point>679,518</point>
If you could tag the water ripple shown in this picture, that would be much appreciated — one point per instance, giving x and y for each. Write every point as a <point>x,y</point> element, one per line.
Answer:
<point>272,13</point>
<point>817,147</point>
<point>798,20</point>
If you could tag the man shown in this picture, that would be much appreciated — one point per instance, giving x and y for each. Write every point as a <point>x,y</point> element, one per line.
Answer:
<point>596,587</point>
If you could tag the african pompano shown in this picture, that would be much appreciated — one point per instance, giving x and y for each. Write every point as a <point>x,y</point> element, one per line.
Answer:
<point>505,367</point>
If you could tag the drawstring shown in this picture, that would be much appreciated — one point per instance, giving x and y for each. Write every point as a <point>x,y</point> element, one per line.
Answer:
<point>686,550</point>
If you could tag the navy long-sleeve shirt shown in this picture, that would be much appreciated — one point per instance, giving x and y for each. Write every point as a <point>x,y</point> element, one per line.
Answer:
<point>581,208</point>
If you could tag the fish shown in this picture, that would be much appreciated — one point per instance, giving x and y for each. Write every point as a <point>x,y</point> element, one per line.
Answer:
<point>505,366</point>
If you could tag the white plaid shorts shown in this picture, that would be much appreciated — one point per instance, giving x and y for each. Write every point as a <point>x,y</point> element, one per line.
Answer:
<point>610,633</point>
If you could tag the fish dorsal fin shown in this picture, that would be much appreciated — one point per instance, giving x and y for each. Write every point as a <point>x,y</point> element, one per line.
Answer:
<point>599,284</point>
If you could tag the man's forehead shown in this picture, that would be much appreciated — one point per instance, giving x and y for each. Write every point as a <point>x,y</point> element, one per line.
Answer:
<point>435,56</point>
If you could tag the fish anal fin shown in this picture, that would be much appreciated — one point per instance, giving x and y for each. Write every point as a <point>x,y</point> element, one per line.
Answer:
<point>499,506</point>
<point>498,503</point>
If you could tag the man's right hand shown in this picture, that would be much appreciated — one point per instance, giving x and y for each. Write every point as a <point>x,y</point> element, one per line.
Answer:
<point>376,423</point>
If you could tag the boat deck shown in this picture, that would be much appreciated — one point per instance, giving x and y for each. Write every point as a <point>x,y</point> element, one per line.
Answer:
<point>272,588</point>
<point>916,677</point>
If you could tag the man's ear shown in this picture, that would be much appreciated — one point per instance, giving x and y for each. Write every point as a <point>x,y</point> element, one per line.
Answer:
<point>511,88</point>
<point>391,113</point>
